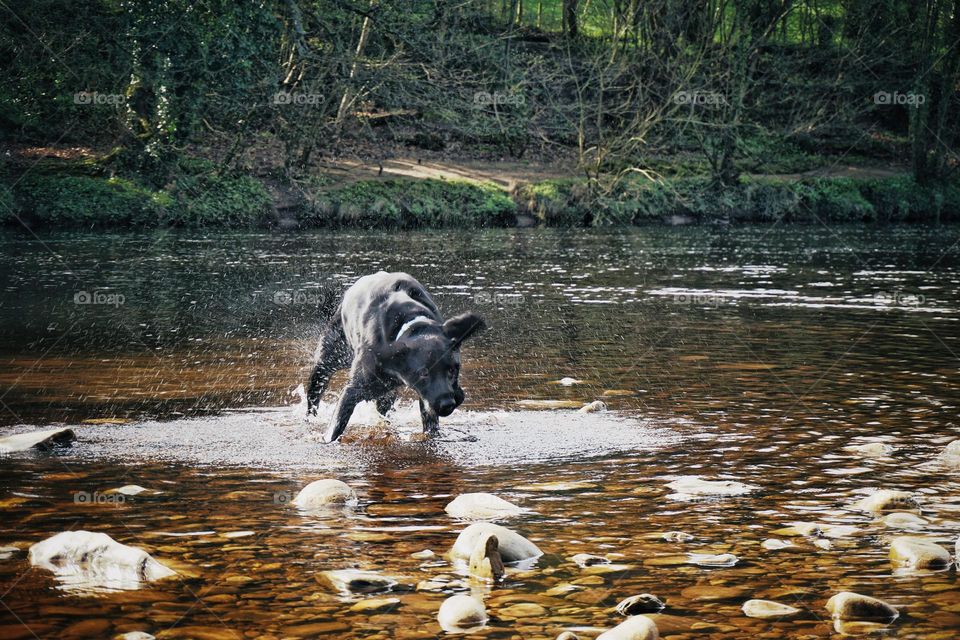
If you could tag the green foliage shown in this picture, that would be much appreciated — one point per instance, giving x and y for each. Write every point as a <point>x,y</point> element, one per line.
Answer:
<point>411,204</point>
<point>220,201</point>
<point>84,201</point>
<point>555,203</point>
<point>834,199</point>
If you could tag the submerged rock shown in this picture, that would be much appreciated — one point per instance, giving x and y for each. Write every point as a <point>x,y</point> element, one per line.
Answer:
<point>710,560</point>
<point>568,635</point>
<point>950,456</point>
<point>376,605</point>
<point>356,581</point>
<point>871,449</point>
<point>847,605</point>
<point>90,559</point>
<point>885,500</point>
<point>325,493</point>
<point>513,547</point>
<point>589,560</point>
<point>43,440</point>
<point>772,544</point>
<point>918,553</point>
<point>130,490</point>
<point>904,520</point>
<point>461,613</point>
<point>642,603</point>
<point>481,506</point>
<point>635,628</point>
<point>806,529</point>
<point>768,609</point>
<point>568,381</point>
<point>426,554</point>
<point>485,561</point>
<point>135,635</point>
<point>695,486</point>
<point>677,536</point>
<point>594,407</point>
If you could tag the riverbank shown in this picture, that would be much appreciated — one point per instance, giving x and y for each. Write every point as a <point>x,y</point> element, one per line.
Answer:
<point>408,193</point>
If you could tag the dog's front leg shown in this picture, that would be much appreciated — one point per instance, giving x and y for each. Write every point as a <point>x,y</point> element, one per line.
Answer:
<point>351,395</point>
<point>431,422</point>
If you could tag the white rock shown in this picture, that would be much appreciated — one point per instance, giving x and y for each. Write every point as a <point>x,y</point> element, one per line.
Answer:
<point>135,635</point>
<point>677,536</point>
<point>481,506</point>
<point>884,500</point>
<point>568,381</point>
<point>918,553</point>
<point>426,554</point>
<point>847,605</point>
<point>513,546</point>
<point>594,407</point>
<point>709,560</point>
<point>37,439</point>
<point>823,543</point>
<point>356,581</point>
<point>635,628</point>
<point>773,544</point>
<point>130,490</point>
<point>904,520</point>
<point>768,609</point>
<point>589,560</point>
<point>89,559</point>
<point>871,449</point>
<point>950,456</point>
<point>325,493</point>
<point>238,534</point>
<point>460,613</point>
<point>8,552</point>
<point>695,486</point>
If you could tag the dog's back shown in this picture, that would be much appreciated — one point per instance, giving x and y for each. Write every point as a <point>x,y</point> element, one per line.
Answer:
<point>377,305</point>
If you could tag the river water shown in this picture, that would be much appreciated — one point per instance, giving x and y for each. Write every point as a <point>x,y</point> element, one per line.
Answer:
<point>755,355</point>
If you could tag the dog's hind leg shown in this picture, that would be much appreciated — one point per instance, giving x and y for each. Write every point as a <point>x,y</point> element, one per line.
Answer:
<point>332,355</point>
<point>385,402</point>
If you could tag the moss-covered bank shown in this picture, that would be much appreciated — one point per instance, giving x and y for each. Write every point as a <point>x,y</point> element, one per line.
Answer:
<point>205,199</point>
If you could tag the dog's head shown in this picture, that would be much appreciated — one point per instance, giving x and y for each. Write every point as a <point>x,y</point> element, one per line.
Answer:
<point>427,359</point>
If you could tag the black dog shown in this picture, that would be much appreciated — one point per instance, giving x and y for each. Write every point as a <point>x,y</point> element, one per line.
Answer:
<point>389,332</point>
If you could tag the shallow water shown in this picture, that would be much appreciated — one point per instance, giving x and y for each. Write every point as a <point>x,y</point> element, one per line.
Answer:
<point>754,355</point>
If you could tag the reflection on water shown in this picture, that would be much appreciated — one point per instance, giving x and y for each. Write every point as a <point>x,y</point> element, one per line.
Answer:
<point>758,356</point>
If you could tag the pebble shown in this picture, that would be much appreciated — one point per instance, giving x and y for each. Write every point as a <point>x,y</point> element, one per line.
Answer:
<point>512,546</point>
<point>884,500</point>
<point>460,613</point>
<point>596,406</point>
<point>642,603</point>
<point>325,493</point>
<point>635,628</point>
<point>710,560</point>
<point>950,456</point>
<point>677,536</point>
<point>774,544</point>
<point>376,605</point>
<point>695,486</point>
<point>904,520</point>
<point>423,555</point>
<point>356,581</point>
<point>871,449</point>
<point>588,560</point>
<point>768,609</point>
<point>918,553</point>
<point>847,605</point>
<point>481,506</point>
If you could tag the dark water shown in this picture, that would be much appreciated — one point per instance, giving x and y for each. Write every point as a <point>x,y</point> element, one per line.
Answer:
<point>753,355</point>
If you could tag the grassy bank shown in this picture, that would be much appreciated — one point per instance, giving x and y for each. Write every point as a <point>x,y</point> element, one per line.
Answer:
<point>205,199</point>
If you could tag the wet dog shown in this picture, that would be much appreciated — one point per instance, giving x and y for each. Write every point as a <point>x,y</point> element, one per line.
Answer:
<point>389,332</point>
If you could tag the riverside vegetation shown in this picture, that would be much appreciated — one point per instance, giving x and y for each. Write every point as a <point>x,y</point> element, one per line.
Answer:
<point>170,114</point>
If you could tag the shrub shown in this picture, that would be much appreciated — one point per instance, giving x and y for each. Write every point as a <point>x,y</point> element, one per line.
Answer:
<point>224,201</point>
<point>84,201</point>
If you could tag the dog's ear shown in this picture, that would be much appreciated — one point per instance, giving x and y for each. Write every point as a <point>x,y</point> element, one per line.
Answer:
<point>459,328</point>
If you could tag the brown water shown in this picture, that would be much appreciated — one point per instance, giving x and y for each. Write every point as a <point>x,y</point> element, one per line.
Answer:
<point>755,355</point>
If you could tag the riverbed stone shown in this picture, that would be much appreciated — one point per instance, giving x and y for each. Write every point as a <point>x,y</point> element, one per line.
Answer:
<point>135,635</point>
<point>774,544</point>
<point>918,553</point>
<point>324,493</point>
<point>88,558</point>
<point>481,506</point>
<point>512,546</point>
<point>376,605</point>
<point>871,449</point>
<point>712,560</point>
<point>597,406</point>
<point>426,554</point>
<point>904,520</point>
<point>635,628</point>
<point>950,456</point>
<point>641,603</point>
<point>568,635</point>
<point>461,612</point>
<point>43,440</point>
<point>885,500</point>
<point>522,610</point>
<point>485,561</point>
<point>713,593</point>
<point>589,560</point>
<point>768,609</point>
<point>847,605</point>
<point>696,486</point>
<point>677,536</point>
<point>357,581</point>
